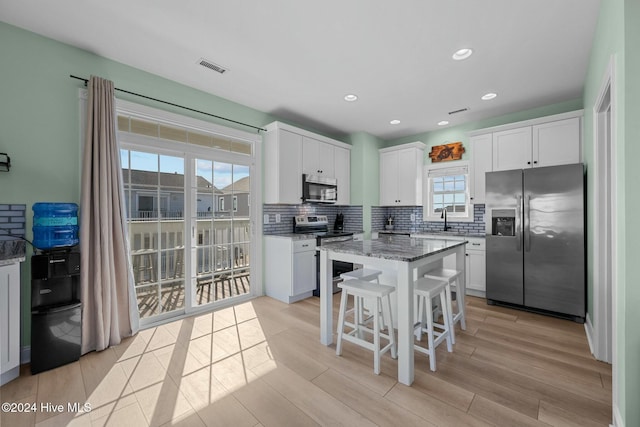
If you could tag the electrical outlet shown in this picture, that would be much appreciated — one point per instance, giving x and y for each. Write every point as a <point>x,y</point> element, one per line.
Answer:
<point>278,218</point>
<point>266,219</point>
<point>413,217</point>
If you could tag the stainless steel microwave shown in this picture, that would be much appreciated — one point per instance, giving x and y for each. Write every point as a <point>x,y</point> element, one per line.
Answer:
<point>319,189</point>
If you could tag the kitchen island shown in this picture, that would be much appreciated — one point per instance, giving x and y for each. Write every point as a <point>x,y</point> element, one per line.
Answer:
<point>402,259</point>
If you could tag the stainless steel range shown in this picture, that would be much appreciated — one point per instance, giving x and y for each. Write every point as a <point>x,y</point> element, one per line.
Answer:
<point>318,225</point>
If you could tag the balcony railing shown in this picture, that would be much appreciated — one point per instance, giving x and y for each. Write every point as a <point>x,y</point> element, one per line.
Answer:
<point>157,248</point>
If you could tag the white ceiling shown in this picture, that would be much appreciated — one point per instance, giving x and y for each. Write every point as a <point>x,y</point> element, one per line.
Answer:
<point>297,59</point>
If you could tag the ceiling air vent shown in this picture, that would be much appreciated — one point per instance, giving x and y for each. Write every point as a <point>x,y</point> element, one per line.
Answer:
<point>461,110</point>
<point>210,65</point>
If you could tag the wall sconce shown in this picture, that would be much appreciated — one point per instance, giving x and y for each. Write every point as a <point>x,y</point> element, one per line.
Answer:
<point>5,162</point>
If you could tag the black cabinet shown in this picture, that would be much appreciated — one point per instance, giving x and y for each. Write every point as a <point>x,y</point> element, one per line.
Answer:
<point>56,311</point>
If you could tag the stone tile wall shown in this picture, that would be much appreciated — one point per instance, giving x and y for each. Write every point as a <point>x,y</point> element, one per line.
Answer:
<point>352,216</point>
<point>402,220</point>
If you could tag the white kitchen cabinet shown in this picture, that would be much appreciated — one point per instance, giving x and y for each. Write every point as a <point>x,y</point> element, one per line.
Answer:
<point>342,166</point>
<point>401,175</point>
<point>289,152</point>
<point>283,167</point>
<point>290,268</point>
<point>10,323</point>
<point>317,157</point>
<point>556,143</point>
<point>475,261</point>
<point>481,163</point>
<point>476,267</point>
<point>512,149</point>
<point>549,141</point>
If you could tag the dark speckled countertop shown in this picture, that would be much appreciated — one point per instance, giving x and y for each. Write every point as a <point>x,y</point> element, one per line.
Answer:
<point>394,247</point>
<point>434,234</point>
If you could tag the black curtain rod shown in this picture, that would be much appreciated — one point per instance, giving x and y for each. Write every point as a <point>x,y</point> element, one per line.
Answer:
<point>175,105</point>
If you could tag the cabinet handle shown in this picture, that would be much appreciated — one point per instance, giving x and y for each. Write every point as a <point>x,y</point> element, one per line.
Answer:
<point>535,162</point>
<point>528,163</point>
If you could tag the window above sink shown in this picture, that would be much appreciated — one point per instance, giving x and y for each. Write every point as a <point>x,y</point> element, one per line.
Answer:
<point>446,187</point>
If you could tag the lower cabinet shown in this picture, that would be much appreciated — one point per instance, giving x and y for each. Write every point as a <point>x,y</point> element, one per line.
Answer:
<point>290,268</point>
<point>476,267</point>
<point>10,324</point>
<point>475,263</point>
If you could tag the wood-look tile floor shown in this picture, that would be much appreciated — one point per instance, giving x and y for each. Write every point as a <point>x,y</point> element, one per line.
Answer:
<point>261,363</point>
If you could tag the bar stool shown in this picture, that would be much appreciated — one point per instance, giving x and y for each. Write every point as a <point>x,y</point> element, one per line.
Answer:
<point>360,289</point>
<point>452,276</point>
<point>426,289</point>
<point>366,275</point>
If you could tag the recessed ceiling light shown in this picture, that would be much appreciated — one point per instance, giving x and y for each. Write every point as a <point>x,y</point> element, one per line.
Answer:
<point>395,122</point>
<point>350,97</point>
<point>462,54</point>
<point>489,96</point>
<point>443,123</point>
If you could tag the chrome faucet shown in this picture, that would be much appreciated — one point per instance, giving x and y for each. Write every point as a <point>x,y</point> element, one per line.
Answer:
<point>444,215</point>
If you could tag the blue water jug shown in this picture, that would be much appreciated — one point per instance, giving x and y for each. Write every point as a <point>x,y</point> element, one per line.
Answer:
<point>55,225</point>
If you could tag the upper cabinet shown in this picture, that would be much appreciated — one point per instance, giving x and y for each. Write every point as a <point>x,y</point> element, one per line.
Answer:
<point>481,163</point>
<point>512,149</point>
<point>546,141</point>
<point>556,143</point>
<point>317,157</point>
<point>549,142</point>
<point>282,166</point>
<point>342,165</point>
<point>401,175</point>
<point>290,152</point>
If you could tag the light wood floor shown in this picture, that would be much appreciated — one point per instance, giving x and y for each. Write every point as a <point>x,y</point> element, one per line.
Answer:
<point>261,363</point>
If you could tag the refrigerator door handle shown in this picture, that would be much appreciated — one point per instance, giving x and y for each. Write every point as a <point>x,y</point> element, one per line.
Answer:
<point>518,223</point>
<point>527,224</point>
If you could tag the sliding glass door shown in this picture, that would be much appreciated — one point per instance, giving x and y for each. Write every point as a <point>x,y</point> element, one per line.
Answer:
<point>221,247</point>
<point>155,203</point>
<point>189,213</point>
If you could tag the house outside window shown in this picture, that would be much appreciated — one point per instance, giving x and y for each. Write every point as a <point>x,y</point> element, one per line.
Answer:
<point>221,204</point>
<point>235,203</point>
<point>447,188</point>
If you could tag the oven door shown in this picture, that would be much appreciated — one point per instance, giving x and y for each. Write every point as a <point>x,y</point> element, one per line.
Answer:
<point>339,267</point>
<point>319,189</point>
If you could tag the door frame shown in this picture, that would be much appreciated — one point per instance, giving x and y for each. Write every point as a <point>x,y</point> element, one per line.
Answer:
<point>177,148</point>
<point>605,259</point>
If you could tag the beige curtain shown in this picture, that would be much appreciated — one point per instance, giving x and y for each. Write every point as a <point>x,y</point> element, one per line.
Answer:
<point>109,310</point>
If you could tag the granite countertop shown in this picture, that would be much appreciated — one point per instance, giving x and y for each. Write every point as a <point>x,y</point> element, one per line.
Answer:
<point>303,236</point>
<point>448,233</point>
<point>12,251</point>
<point>430,233</point>
<point>292,236</point>
<point>398,248</point>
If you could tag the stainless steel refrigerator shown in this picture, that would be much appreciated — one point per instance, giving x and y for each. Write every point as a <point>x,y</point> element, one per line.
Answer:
<point>535,231</point>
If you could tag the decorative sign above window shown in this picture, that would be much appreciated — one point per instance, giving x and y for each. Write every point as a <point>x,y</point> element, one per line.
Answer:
<point>445,152</point>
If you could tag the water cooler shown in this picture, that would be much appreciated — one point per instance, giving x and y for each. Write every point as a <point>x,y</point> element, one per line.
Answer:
<point>56,311</point>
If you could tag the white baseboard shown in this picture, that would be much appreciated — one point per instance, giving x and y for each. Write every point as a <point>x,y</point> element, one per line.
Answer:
<point>617,418</point>
<point>588,329</point>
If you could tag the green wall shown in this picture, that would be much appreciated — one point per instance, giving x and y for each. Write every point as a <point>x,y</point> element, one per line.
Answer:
<point>40,120</point>
<point>365,176</point>
<point>617,34</point>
